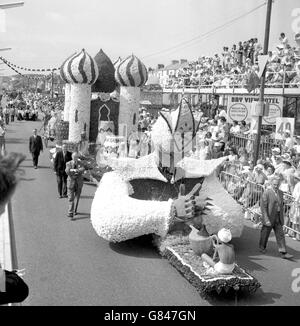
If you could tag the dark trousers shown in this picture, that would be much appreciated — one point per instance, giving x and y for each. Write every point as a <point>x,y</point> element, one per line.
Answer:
<point>74,193</point>
<point>12,118</point>
<point>279,234</point>
<point>62,184</point>
<point>35,158</point>
<point>7,119</point>
<point>15,291</point>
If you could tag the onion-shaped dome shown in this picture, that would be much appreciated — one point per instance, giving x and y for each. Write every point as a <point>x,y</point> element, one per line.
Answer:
<point>131,72</point>
<point>116,64</point>
<point>64,68</point>
<point>80,69</point>
<point>106,82</point>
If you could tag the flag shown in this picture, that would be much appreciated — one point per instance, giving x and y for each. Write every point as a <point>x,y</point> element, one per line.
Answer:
<point>262,62</point>
<point>252,81</point>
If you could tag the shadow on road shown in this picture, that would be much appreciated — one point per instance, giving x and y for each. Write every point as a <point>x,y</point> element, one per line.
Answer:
<point>243,298</point>
<point>24,179</point>
<point>248,255</point>
<point>139,247</point>
<point>15,141</point>
<point>83,216</point>
<point>39,167</point>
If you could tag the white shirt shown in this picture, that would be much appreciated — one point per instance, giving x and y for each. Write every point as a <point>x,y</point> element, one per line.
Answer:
<point>235,129</point>
<point>289,143</point>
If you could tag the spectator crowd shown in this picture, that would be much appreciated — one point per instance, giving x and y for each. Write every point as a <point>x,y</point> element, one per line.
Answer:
<point>233,65</point>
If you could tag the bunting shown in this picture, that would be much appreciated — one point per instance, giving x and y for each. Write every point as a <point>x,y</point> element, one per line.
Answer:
<point>40,78</point>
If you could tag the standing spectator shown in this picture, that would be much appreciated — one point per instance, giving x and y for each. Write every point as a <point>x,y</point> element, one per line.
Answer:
<point>295,209</point>
<point>272,218</point>
<point>2,140</point>
<point>289,142</point>
<point>12,287</point>
<point>12,113</point>
<point>240,54</point>
<point>283,39</point>
<point>61,159</point>
<point>74,170</point>
<point>235,129</point>
<point>35,147</point>
<point>6,113</point>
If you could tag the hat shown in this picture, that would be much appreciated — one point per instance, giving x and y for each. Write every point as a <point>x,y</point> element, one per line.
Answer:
<point>285,157</point>
<point>225,235</point>
<point>259,166</point>
<point>297,175</point>
<point>276,150</point>
<point>288,161</point>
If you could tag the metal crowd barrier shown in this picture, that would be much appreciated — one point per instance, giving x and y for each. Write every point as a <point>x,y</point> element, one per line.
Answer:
<point>248,194</point>
<point>247,142</point>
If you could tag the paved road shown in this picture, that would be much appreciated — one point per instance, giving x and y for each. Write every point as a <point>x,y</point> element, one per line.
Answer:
<point>68,264</point>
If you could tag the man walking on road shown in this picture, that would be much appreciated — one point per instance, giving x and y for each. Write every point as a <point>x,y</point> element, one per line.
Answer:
<point>74,170</point>
<point>272,218</point>
<point>61,158</point>
<point>35,147</point>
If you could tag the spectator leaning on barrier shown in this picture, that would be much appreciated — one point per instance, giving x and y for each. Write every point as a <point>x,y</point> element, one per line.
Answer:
<point>12,288</point>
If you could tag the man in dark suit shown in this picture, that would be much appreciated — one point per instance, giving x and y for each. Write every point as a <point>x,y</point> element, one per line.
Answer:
<point>61,158</point>
<point>35,147</point>
<point>272,218</point>
<point>74,170</point>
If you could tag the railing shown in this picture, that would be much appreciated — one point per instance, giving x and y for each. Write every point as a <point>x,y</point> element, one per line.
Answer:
<point>248,141</point>
<point>248,194</point>
<point>235,81</point>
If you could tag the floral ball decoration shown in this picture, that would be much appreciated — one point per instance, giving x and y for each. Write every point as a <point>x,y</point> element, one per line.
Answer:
<point>106,82</point>
<point>80,69</point>
<point>131,72</point>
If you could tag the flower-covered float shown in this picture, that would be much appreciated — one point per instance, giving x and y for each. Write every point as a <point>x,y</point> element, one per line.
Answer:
<point>140,197</point>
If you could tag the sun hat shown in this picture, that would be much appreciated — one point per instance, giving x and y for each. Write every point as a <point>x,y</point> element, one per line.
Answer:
<point>297,175</point>
<point>259,166</point>
<point>225,235</point>
<point>286,157</point>
<point>276,150</point>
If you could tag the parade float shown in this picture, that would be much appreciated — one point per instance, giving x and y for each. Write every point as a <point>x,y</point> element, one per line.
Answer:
<point>135,197</point>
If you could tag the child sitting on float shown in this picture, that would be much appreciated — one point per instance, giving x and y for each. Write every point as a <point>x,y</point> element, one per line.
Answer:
<point>224,250</point>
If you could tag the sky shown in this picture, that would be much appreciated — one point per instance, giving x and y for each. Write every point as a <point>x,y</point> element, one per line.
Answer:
<point>43,33</point>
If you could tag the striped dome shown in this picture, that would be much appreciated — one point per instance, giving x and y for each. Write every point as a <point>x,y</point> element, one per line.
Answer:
<point>64,66</point>
<point>81,68</point>
<point>131,72</point>
<point>116,64</point>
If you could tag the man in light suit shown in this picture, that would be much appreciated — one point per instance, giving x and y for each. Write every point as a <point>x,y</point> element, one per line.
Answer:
<point>35,147</point>
<point>272,218</point>
<point>74,170</point>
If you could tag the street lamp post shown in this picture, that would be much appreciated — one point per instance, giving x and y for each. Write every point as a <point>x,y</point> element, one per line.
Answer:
<point>263,81</point>
<point>11,5</point>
